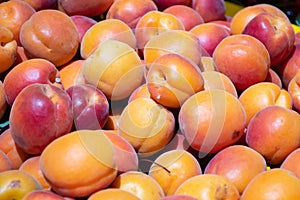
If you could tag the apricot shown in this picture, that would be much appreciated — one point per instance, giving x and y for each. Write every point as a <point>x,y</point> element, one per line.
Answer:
<point>8,49</point>
<point>91,169</point>
<point>173,167</point>
<point>275,183</point>
<point>210,10</point>
<point>56,40</point>
<point>130,11</point>
<point>246,14</point>
<point>291,162</point>
<point>32,167</point>
<point>146,125</point>
<point>274,133</point>
<point>108,29</point>
<point>261,95</point>
<point>172,79</point>
<point>208,186</point>
<point>13,14</point>
<point>15,184</point>
<point>113,194</point>
<point>42,4</point>
<point>236,168</point>
<point>218,80</point>
<point>140,184</point>
<point>173,41</point>
<point>115,68</point>
<point>243,58</point>
<point>154,23</point>
<point>15,155</point>
<point>206,120</point>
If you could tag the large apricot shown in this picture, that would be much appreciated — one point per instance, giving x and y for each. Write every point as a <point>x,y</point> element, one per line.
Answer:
<point>208,186</point>
<point>172,79</point>
<point>79,163</point>
<point>274,132</point>
<point>212,120</point>
<point>236,168</point>
<point>273,184</point>
<point>261,95</point>
<point>115,68</point>
<point>15,184</point>
<point>13,14</point>
<point>243,58</point>
<point>140,184</point>
<point>147,125</point>
<point>173,167</point>
<point>56,40</point>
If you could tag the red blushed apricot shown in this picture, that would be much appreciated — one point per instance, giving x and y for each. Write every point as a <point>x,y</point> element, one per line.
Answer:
<point>187,15</point>
<point>291,162</point>
<point>89,8</point>
<point>243,58</point>
<point>172,79</point>
<point>212,120</point>
<point>274,132</point>
<point>154,23</point>
<point>147,126</point>
<point>130,11</point>
<point>56,40</point>
<point>236,168</point>
<point>245,15</point>
<point>210,35</point>
<point>13,14</point>
<point>261,95</point>
<point>42,4</point>
<point>113,29</point>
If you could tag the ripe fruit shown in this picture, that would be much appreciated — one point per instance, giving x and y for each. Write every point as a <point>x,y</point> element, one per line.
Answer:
<point>146,125</point>
<point>173,167</point>
<point>243,58</point>
<point>79,163</point>
<point>208,186</point>
<point>113,194</point>
<point>274,132</point>
<point>291,162</point>
<point>172,79</point>
<point>238,164</point>
<point>273,184</point>
<point>206,120</point>
<point>140,184</point>
<point>39,42</point>
<point>15,184</point>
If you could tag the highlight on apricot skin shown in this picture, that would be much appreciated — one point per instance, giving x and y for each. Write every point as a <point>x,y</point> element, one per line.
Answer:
<point>147,125</point>
<point>172,79</point>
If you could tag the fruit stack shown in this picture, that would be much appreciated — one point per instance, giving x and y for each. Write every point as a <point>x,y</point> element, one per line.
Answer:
<point>148,100</point>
